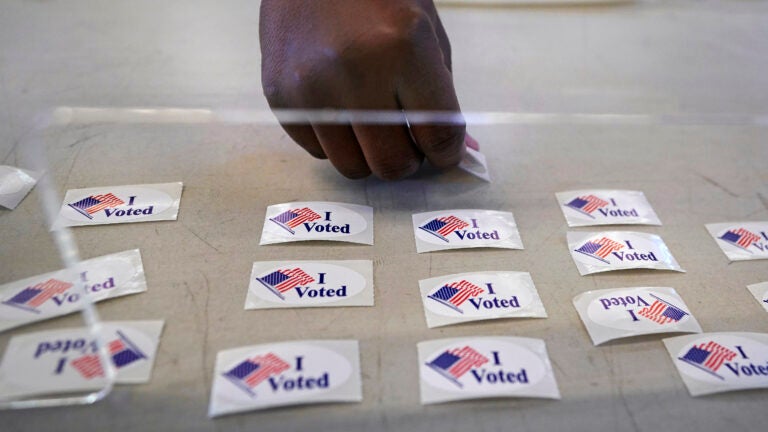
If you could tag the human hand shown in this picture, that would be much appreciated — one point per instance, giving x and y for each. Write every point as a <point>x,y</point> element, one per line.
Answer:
<point>362,55</point>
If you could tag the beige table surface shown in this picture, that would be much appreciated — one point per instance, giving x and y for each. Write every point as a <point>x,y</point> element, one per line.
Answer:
<point>665,97</point>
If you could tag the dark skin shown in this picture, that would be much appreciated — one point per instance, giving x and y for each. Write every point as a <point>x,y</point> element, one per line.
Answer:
<point>362,55</point>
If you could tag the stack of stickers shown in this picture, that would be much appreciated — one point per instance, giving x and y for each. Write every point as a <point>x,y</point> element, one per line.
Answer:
<point>709,362</point>
<point>72,360</point>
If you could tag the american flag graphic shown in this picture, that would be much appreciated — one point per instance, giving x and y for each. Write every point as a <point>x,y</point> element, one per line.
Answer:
<point>121,350</point>
<point>587,204</point>
<point>94,203</point>
<point>662,312</point>
<point>456,293</point>
<point>740,237</point>
<point>281,281</point>
<point>708,357</point>
<point>441,227</point>
<point>30,298</point>
<point>600,249</point>
<point>453,364</point>
<point>251,372</point>
<point>292,218</point>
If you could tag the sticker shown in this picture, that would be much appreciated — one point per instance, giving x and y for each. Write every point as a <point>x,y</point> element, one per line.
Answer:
<point>475,164</point>
<point>461,229</point>
<point>295,284</point>
<point>288,373</point>
<point>720,362</point>
<point>741,241</point>
<point>62,361</point>
<point>15,184</point>
<point>606,207</point>
<point>624,312</point>
<point>465,297</point>
<point>59,293</point>
<point>119,204</point>
<point>595,252</point>
<point>301,221</point>
<point>760,291</point>
<point>485,367</point>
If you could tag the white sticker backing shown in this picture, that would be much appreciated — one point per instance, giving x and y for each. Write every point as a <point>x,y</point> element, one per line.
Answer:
<point>474,163</point>
<point>595,252</point>
<point>618,313</point>
<point>288,373</point>
<point>119,204</point>
<point>606,207</point>
<point>296,284</point>
<point>460,229</point>
<point>465,297</point>
<point>485,367</point>
<point>15,184</point>
<point>741,241</point>
<point>301,221</point>
<point>59,293</point>
<point>720,362</point>
<point>760,291</point>
<point>62,361</point>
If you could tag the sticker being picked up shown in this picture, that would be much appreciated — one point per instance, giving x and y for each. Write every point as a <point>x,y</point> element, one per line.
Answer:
<point>295,284</point>
<point>15,184</point>
<point>606,207</point>
<point>479,296</point>
<point>301,221</point>
<point>62,361</point>
<point>119,204</point>
<point>624,312</point>
<point>59,293</point>
<point>741,241</point>
<point>720,362</point>
<point>474,162</point>
<point>288,373</point>
<point>595,252</point>
<point>485,367</point>
<point>760,291</point>
<point>461,229</point>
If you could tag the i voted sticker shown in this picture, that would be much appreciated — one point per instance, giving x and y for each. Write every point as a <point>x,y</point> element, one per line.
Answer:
<point>466,297</point>
<point>741,241</point>
<point>67,360</point>
<point>59,293</point>
<point>295,284</point>
<point>485,367</point>
<point>119,204</point>
<point>595,252</point>
<point>302,221</point>
<point>288,373</point>
<point>606,207</point>
<point>618,313</point>
<point>760,291</point>
<point>460,229</point>
<point>15,184</point>
<point>720,362</point>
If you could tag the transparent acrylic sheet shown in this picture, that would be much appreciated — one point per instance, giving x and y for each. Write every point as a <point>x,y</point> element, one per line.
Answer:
<point>34,158</point>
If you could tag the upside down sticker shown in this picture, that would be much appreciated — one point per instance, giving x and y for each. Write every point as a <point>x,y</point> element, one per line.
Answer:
<point>67,360</point>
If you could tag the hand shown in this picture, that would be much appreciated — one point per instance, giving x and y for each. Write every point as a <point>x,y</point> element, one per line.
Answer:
<point>362,55</point>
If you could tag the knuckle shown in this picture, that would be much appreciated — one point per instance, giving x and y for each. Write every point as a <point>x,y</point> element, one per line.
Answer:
<point>443,144</point>
<point>396,169</point>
